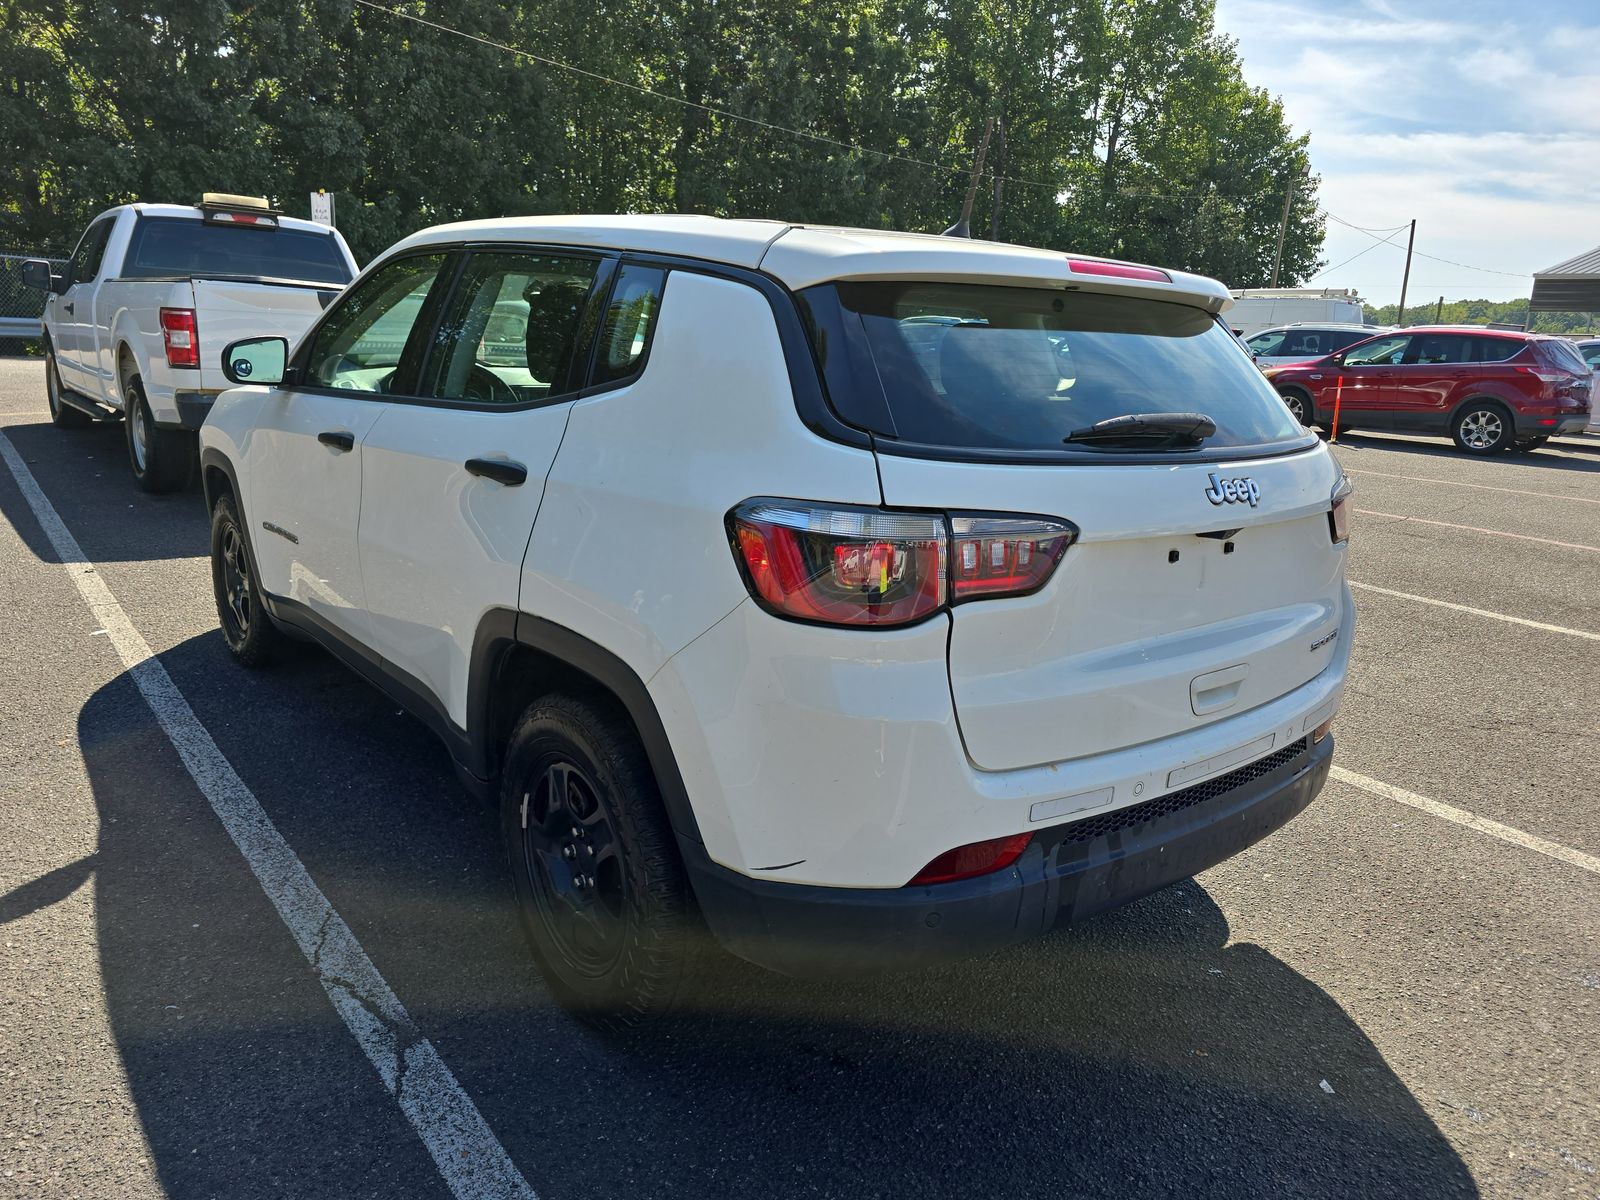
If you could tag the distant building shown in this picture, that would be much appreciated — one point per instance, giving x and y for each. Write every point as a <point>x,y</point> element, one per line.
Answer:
<point>1572,286</point>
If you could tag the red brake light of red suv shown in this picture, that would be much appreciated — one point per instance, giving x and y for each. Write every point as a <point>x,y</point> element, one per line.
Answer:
<point>838,564</point>
<point>850,565</point>
<point>1113,270</point>
<point>979,858</point>
<point>179,335</point>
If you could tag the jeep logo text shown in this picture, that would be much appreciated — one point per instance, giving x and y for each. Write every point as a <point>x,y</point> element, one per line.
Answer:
<point>1233,491</point>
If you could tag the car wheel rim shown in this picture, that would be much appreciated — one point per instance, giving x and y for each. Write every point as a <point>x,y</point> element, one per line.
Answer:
<point>1481,429</point>
<point>236,601</point>
<point>141,433</point>
<point>573,868</point>
<point>1297,410</point>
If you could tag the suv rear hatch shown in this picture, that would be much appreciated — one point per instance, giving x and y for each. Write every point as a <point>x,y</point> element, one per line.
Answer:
<point>1204,581</point>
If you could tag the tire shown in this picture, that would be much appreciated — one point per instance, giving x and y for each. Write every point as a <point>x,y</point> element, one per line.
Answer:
<point>1300,407</point>
<point>161,459</point>
<point>1482,427</point>
<point>1528,445</point>
<point>251,636</point>
<point>62,414</point>
<point>616,938</point>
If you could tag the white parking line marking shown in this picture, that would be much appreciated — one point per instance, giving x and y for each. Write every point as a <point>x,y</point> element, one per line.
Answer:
<point>1477,612</point>
<point>471,1159</point>
<point>1522,537</point>
<point>1482,487</point>
<point>1460,816</point>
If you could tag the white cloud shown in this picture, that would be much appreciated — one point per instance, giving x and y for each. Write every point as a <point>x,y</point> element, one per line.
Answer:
<point>1477,119</point>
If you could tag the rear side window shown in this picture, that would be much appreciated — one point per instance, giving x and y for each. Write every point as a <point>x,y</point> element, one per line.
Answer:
<point>1310,342</point>
<point>511,329</point>
<point>1428,349</point>
<point>975,366</point>
<point>167,246</point>
<point>1493,349</point>
<point>630,317</point>
<point>1591,354</point>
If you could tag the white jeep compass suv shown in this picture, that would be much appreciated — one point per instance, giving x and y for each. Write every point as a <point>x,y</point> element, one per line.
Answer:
<point>867,597</point>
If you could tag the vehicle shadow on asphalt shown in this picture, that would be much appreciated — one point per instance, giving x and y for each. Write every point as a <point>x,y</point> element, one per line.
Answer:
<point>85,473</point>
<point>1140,1054</point>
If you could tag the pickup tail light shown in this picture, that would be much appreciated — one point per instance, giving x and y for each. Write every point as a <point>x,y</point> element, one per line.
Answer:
<point>850,565</point>
<point>1339,517</point>
<point>979,858</point>
<point>180,337</point>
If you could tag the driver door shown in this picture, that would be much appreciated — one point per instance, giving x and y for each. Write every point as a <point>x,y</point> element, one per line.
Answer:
<point>302,461</point>
<point>1370,371</point>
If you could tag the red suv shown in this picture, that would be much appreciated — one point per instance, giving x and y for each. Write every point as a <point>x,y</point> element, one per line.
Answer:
<point>1488,389</point>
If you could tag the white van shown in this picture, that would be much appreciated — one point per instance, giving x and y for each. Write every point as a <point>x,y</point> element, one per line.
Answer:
<point>857,594</point>
<point>1255,309</point>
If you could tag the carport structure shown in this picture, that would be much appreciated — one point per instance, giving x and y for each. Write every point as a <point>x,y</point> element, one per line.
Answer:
<point>1572,286</point>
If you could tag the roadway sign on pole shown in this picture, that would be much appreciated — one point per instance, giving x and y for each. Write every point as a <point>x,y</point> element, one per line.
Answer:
<point>322,208</point>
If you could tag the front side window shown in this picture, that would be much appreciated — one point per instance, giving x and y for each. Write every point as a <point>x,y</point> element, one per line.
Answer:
<point>994,368</point>
<point>359,347</point>
<point>85,262</point>
<point>1266,344</point>
<point>1379,352</point>
<point>1338,339</point>
<point>512,329</point>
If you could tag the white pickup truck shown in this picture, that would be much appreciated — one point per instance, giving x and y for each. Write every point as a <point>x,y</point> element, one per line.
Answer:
<point>136,319</point>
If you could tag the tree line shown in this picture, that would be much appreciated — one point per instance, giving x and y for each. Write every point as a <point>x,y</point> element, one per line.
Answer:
<point>1119,127</point>
<point>1486,312</point>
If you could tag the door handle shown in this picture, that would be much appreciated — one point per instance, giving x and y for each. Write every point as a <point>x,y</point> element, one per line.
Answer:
<point>339,440</point>
<point>67,308</point>
<point>512,474</point>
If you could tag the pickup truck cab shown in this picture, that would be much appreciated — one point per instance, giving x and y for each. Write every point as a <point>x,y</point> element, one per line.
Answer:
<point>148,287</point>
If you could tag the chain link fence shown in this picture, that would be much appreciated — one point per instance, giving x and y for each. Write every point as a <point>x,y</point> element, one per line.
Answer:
<point>19,304</point>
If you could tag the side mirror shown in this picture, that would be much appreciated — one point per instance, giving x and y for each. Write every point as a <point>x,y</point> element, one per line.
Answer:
<point>256,360</point>
<point>36,273</point>
<point>1336,358</point>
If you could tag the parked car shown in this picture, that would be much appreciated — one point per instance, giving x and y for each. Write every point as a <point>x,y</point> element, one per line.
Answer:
<point>1590,349</point>
<point>149,287</point>
<point>1303,341</point>
<point>1489,390</point>
<point>786,583</point>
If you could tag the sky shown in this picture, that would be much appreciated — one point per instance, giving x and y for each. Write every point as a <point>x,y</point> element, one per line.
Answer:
<point>1478,118</point>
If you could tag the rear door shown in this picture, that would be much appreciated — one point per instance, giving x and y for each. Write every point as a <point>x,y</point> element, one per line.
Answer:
<point>452,481</point>
<point>1436,372</point>
<point>1194,591</point>
<point>303,460</point>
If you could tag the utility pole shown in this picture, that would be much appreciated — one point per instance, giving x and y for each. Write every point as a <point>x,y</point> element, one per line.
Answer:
<point>1283,228</point>
<point>963,227</point>
<point>1438,313</point>
<point>1411,239</point>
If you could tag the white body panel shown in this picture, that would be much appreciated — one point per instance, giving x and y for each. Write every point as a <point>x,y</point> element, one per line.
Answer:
<point>1254,311</point>
<point>440,547</point>
<point>630,549</point>
<point>310,493</point>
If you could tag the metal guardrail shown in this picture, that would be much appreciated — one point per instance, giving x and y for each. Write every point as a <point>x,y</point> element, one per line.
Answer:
<point>27,328</point>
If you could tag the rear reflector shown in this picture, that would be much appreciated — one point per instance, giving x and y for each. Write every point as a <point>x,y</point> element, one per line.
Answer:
<point>979,858</point>
<point>180,337</point>
<point>1115,270</point>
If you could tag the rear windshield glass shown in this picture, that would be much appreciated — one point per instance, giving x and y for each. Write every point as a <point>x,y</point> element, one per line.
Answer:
<point>165,246</point>
<point>1566,354</point>
<point>1006,368</point>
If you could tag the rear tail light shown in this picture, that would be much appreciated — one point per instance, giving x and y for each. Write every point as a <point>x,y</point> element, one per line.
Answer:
<point>979,858</point>
<point>180,336</point>
<point>849,565</point>
<point>1004,556</point>
<point>1339,518</point>
<point>1546,375</point>
<point>1116,270</point>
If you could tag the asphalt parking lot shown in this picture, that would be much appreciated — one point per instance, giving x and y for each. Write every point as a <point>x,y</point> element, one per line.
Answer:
<point>1398,994</point>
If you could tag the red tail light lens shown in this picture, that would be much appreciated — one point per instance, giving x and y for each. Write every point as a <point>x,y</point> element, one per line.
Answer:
<point>1116,270</point>
<point>979,858</point>
<point>840,565</point>
<point>181,339</point>
<point>1339,518</point>
<point>1004,556</point>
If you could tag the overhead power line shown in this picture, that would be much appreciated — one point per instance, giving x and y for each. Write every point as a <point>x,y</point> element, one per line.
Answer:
<point>1421,254</point>
<point>1386,242</point>
<point>729,114</point>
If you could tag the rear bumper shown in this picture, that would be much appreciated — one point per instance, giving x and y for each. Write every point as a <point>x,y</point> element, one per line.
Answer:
<point>1069,872</point>
<point>192,409</point>
<point>1532,425</point>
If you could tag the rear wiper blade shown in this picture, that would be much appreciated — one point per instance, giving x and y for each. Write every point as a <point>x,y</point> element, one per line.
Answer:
<point>1148,429</point>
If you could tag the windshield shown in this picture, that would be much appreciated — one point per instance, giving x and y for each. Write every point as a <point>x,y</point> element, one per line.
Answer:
<point>1009,368</point>
<point>166,246</point>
